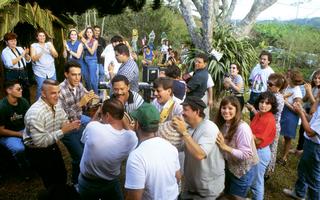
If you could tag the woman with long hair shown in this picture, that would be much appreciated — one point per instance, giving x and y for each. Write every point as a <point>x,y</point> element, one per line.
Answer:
<point>237,144</point>
<point>90,69</point>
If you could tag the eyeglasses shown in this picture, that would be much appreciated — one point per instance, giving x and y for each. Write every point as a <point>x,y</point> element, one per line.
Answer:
<point>19,89</point>
<point>270,84</point>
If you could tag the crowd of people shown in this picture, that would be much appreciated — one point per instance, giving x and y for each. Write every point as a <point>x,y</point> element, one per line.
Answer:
<point>172,149</point>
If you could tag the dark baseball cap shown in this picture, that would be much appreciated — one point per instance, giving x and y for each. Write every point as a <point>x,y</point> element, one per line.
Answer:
<point>147,115</point>
<point>194,102</point>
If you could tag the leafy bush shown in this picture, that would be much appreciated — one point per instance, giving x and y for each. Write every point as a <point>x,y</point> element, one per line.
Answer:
<point>238,51</point>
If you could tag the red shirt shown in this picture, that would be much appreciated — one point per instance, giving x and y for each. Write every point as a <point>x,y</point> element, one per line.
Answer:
<point>263,127</point>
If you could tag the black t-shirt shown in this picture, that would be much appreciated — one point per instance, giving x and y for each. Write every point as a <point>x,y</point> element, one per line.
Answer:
<point>12,117</point>
<point>101,46</point>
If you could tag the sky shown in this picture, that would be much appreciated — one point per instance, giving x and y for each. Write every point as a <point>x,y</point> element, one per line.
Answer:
<point>282,10</point>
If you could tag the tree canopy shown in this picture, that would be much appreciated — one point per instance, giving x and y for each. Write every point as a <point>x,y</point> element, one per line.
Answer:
<point>104,7</point>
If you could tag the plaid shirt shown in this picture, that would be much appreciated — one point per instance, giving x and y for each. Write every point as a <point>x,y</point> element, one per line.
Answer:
<point>69,100</point>
<point>131,71</point>
<point>43,124</point>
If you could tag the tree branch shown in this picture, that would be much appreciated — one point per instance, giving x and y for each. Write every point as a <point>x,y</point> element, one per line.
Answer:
<point>230,11</point>
<point>258,6</point>
<point>198,5</point>
<point>186,11</point>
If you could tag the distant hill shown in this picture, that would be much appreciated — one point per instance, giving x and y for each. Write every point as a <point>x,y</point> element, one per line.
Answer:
<point>314,22</point>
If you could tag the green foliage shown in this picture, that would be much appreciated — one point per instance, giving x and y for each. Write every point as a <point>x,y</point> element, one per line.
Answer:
<point>298,46</point>
<point>234,50</point>
<point>164,19</point>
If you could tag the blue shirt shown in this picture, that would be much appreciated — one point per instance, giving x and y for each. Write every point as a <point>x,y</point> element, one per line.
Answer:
<point>315,126</point>
<point>131,71</point>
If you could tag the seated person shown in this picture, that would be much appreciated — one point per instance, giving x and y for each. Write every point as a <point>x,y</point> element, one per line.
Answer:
<point>13,107</point>
<point>148,56</point>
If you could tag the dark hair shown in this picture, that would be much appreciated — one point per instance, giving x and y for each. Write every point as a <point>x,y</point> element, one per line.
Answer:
<point>116,38</point>
<point>122,49</point>
<point>239,68</point>
<point>70,31</point>
<point>49,82</point>
<point>114,107</point>
<point>149,129</point>
<point>41,31</point>
<point>220,121</point>
<point>85,32</point>
<point>165,82</point>
<point>96,26</point>
<point>119,78</point>
<point>279,80</point>
<point>203,56</point>
<point>70,64</point>
<point>10,36</point>
<point>266,53</point>
<point>314,75</point>
<point>269,96</point>
<point>201,110</point>
<point>173,71</point>
<point>10,83</point>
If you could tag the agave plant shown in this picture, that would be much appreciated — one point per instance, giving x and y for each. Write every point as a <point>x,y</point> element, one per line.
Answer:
<point>237,51</point>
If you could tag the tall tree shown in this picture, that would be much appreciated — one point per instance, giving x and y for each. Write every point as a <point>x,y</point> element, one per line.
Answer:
<point>216,13</point>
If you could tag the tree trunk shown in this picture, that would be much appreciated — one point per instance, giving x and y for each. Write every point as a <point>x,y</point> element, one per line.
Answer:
<point>102,25</point>
<point>247,23</point>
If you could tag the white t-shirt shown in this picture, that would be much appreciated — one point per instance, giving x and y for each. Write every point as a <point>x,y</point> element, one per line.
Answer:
<point>259,78</point>
<point>104,150</point>
<point>110,56</point>
<point>295,91</point>
<point>152,166</point>
<point>44,67</point>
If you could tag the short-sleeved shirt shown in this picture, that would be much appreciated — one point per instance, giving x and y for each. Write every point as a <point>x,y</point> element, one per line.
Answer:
<point>295,93</point>
<point>259,77</point>
<point>198,83</point>
<point>8,55</point>
<point>152,166</point>
<point>237,80</point>
<point>12,117</point>
<point>204,177</point>
<point>263,127</point>
<point>44,67</point>
<point>131,71</point>
<point>315,126</point>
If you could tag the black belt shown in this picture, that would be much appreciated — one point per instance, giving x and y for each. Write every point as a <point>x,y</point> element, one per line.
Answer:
<point>15,70</point>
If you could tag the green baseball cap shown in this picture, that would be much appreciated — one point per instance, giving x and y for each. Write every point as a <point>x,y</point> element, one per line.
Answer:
<point>147,115</point>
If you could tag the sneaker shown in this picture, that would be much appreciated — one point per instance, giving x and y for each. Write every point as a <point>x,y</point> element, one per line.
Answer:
<point>292,194</point>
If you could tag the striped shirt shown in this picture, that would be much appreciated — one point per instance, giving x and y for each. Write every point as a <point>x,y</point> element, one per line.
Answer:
<point>133,103</point>
<point>131,71</point>
<point>43,124</point>
<point>70,99</point>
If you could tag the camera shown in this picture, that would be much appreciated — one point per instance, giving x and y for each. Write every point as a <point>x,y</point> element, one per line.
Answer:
<point>226,75</point>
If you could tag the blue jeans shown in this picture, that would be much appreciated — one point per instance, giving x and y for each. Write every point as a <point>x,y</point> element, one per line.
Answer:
<point>258,182</point>
<point>74,145</point>
<point>309,171</point>
<point>90,74</point>
<point>239,186</point>
<point>16,147</point>
<point>101,72</point>
<point>99,188</point>
<point>39,81</point>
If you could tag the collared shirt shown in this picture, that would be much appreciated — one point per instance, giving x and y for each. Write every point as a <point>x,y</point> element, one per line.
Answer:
<point>177,108</point>
<point>70,97</point>
<point>131,71</point>
<point>315,126</point>
<point>133,103</point>
<point>43,124</point>
<point>7,56</point>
